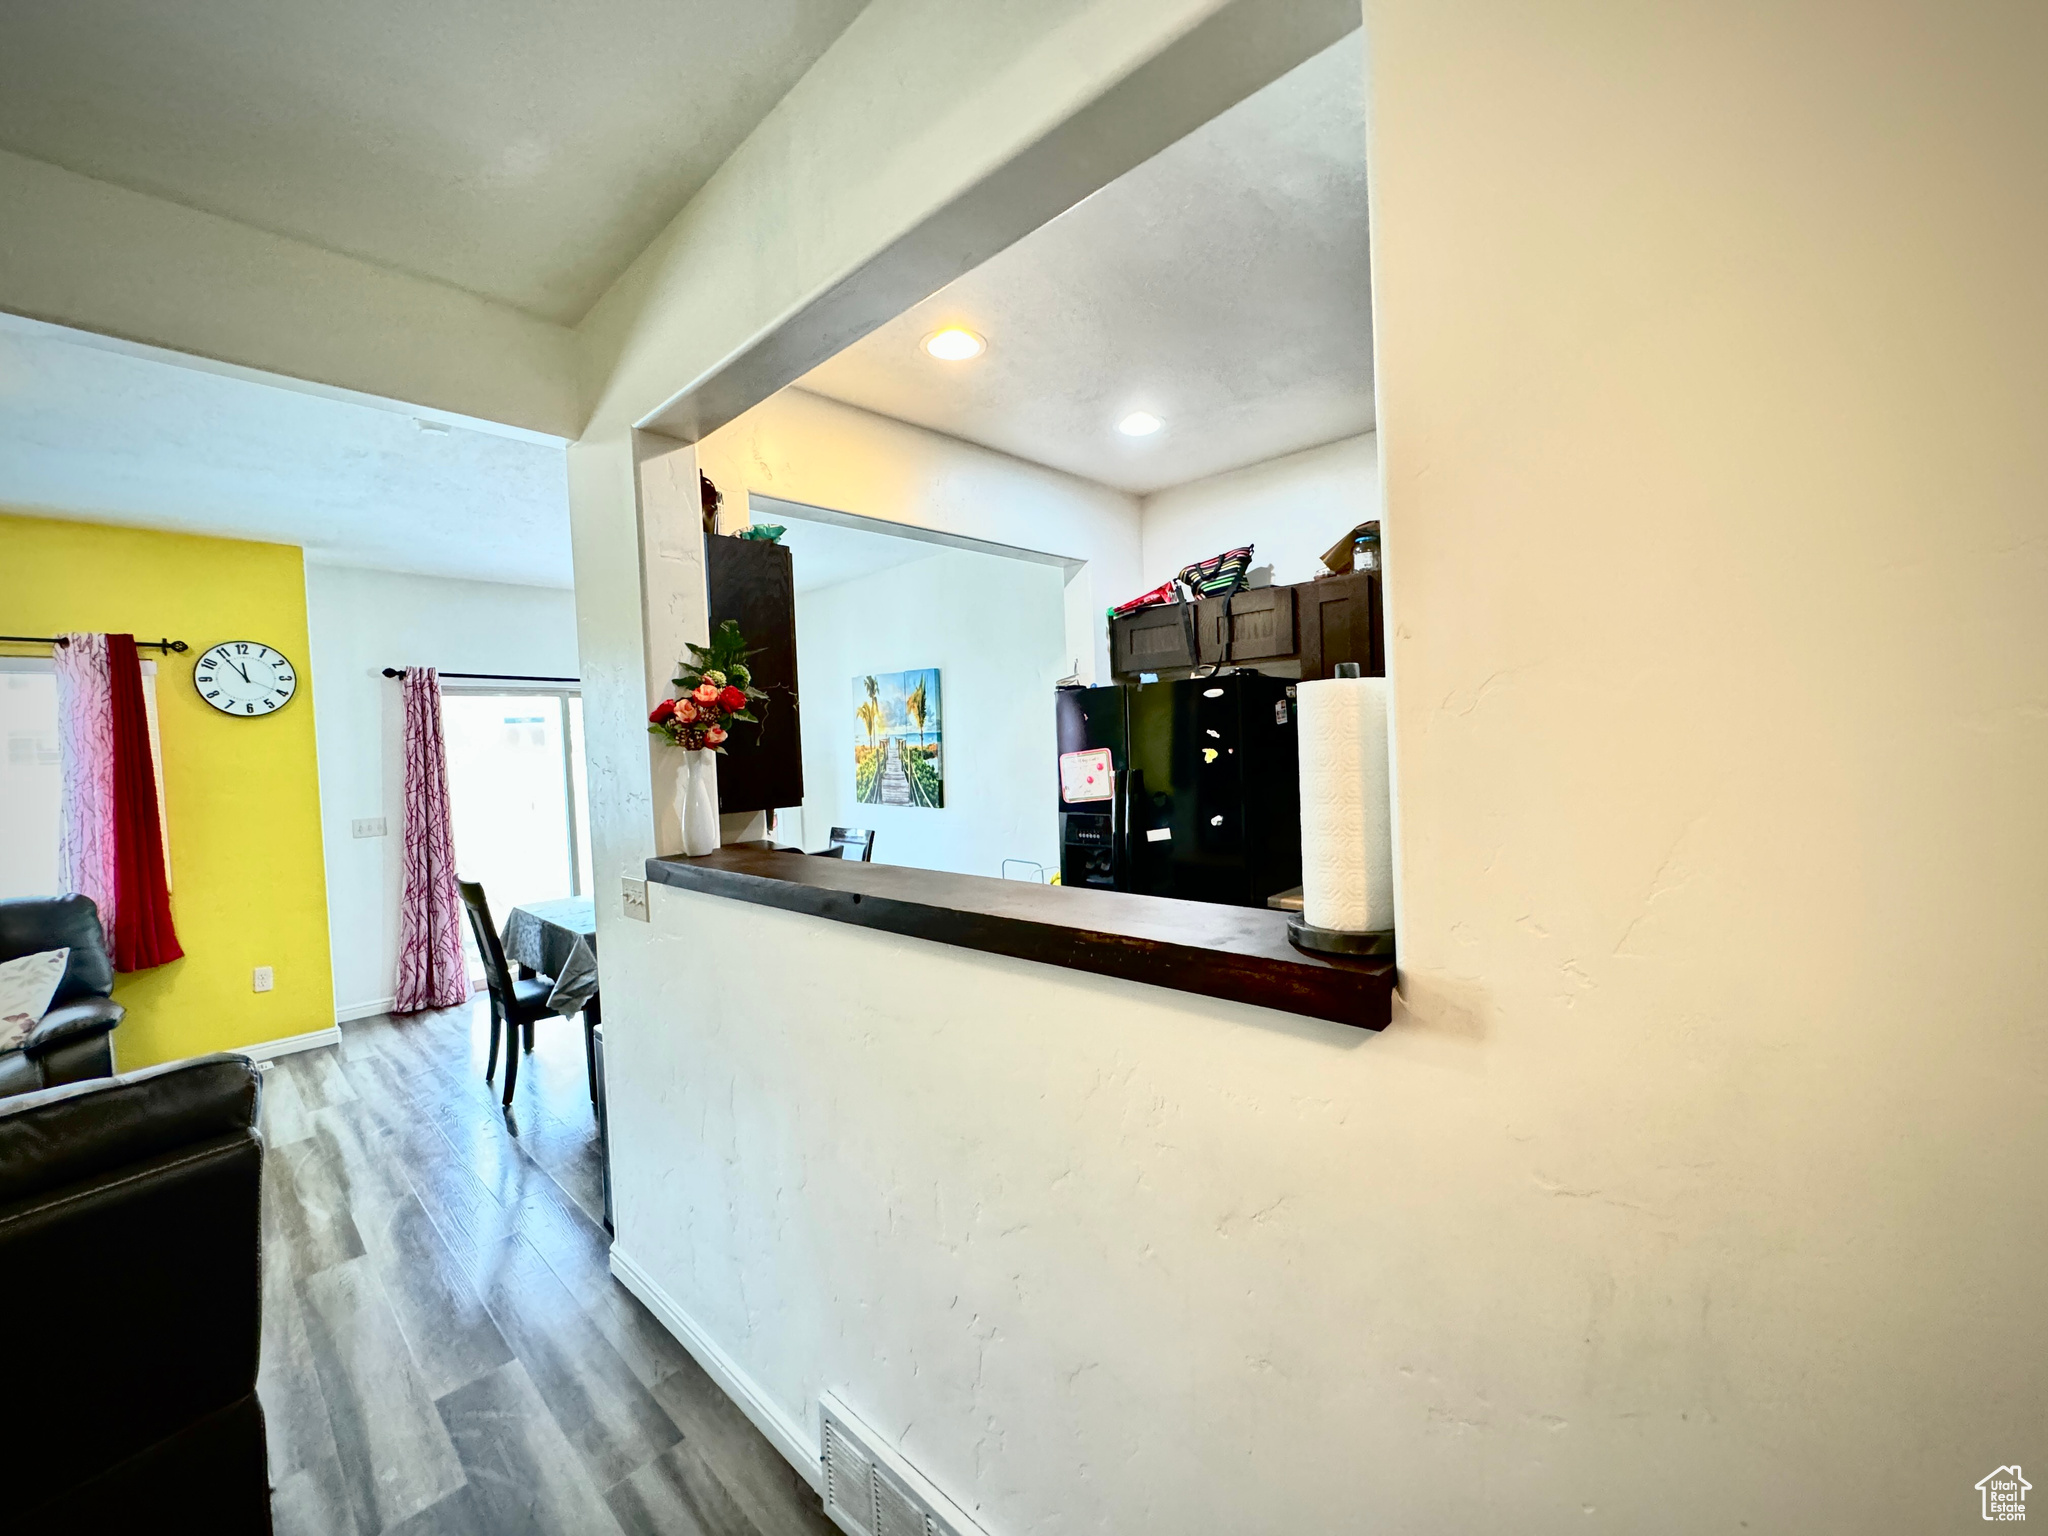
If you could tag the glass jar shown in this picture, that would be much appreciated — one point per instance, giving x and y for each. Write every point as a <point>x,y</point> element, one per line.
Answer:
<point>1365,549</point>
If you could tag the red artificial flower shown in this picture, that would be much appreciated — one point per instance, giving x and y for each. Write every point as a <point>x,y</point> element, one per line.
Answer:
<point>713,736</point>
<point>661,712</point>
<point>705,693</point>
<point>685,711</point>
<point>731,700</point>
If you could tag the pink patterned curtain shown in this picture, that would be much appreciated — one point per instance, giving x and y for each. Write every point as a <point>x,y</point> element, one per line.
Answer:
<point>432,972</point>
<point>85,747</point>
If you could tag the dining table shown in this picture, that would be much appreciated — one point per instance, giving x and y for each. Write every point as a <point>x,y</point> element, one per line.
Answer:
<point>558,939</point>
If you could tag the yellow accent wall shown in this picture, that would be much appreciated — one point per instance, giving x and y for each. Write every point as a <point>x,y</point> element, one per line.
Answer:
<point>248,885</point>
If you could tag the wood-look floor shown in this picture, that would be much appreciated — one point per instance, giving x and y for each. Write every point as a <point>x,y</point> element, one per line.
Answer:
<point>445,1352</point>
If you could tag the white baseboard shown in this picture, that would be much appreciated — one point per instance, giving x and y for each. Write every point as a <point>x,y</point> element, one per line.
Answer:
<point>266,1050</point>
<point>363,1010</point>
<point>784,1433</point>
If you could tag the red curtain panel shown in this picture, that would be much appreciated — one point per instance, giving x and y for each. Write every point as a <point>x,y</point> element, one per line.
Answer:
<point>143,934</point>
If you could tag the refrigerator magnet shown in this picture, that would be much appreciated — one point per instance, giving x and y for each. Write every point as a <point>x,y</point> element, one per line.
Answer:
<point>1086,776</point>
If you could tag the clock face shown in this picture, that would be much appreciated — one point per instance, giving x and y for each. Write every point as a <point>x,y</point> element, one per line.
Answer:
<point>245,679</point>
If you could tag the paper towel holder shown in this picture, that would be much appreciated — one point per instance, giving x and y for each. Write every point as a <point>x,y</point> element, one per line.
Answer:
<point>1376,944</point>
<point>1336,941</point>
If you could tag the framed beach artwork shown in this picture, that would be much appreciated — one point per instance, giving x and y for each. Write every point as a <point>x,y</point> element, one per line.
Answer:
<point>896,752</point>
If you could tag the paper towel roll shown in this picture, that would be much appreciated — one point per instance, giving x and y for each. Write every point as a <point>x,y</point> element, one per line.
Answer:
<point>1347,850</point>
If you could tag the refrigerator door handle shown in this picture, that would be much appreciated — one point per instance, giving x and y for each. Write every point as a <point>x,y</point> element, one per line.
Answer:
<point>1127,851</point>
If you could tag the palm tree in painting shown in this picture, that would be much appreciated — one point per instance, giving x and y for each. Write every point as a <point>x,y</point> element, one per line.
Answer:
<point>915,706</point>
<point>867,766</point>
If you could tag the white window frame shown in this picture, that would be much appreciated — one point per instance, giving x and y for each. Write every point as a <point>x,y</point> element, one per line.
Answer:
<point>48,664</point>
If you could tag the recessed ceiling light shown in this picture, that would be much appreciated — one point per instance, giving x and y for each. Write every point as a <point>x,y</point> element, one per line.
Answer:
<point>1139,424</point>
<point>954,344</point>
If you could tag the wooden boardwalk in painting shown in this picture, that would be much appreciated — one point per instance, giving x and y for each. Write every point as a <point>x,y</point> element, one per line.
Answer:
<point>895,780</point>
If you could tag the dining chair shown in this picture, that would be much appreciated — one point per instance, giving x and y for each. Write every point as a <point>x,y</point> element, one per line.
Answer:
<point>851,842</point>
<point>516,1003</point>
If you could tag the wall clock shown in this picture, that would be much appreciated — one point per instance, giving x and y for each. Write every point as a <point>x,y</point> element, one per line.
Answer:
<point>245,679</point>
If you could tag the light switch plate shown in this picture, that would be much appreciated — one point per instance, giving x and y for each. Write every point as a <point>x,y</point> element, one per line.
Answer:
<point>633,896</point>
<point>263,979</point>
<point>369,826</point>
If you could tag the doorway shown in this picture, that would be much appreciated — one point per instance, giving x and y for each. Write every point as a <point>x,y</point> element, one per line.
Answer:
<point>517,798</point>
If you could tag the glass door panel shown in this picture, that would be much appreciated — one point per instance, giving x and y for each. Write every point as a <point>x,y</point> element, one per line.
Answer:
<point>509,796</point>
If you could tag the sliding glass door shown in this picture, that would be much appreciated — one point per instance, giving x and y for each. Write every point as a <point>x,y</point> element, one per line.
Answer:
<point>516,792</point>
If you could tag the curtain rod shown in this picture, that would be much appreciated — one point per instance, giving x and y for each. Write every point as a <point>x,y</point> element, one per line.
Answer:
<point>166,646</point>
<point>495,677</point>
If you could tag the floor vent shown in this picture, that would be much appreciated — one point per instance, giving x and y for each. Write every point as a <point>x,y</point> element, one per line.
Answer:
<point>871,1491</point>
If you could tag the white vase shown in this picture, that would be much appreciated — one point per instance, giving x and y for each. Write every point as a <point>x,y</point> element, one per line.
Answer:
<point>697,803</point>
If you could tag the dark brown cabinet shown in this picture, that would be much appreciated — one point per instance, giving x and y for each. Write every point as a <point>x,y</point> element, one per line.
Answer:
<point>1323,623</point>
<point>1152,640</point>
<point>753,584</point>
<point>1342,620</point>
<point>1255,625</point>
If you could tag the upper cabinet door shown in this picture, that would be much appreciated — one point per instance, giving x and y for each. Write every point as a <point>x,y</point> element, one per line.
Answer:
<point>754,584</point>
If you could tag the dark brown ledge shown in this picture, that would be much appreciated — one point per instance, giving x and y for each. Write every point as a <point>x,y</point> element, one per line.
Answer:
<point>1238,953</point>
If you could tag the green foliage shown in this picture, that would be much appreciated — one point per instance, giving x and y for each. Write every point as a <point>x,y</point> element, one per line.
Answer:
<point>925,786</point>
<point>727,653</point>
<point>867,774</point>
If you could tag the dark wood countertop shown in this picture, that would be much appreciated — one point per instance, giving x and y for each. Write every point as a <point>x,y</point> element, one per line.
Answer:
<point>1238,953</point>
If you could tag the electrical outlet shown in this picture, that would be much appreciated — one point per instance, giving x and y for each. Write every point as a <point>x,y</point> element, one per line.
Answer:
<point>634,898</point>
<point>264,978</point>
<point>369,826</point>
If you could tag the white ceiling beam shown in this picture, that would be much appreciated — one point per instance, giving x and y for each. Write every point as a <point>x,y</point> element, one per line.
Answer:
<point>95,257</point>
<point>851,203</point>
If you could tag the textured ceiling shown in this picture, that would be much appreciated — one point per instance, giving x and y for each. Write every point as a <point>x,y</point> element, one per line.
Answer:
<point>87,431</point>
<point>520,149</point>
<point>1222,286</point>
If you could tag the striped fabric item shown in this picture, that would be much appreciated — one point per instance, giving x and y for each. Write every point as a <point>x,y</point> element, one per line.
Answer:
<point>1165,592</point>
<point>1220,575</point>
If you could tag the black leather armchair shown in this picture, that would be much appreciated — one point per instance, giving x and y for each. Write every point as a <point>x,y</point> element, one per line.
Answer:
<point>71,1043</point>
<point>131,1272</point>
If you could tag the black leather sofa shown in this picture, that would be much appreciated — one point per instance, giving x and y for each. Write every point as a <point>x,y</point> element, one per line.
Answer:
<point>71,1043</point>
<point>131,1276</point>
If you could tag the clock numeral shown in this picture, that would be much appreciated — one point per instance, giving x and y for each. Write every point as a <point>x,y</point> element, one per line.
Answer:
<point>213,693</point>
<point>248,709</point>
<point>241,649</point>
<point>210,663</point>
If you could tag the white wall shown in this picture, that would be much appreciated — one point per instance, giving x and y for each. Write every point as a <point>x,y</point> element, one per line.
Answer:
<point>1698,1183</point>
<point>994,629</point>
<point>1289,509</point>
<point>817,452</point>
<point>362,621</point>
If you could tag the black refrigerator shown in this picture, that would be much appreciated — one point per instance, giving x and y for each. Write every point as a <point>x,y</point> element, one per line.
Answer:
<point>1189,788</point>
